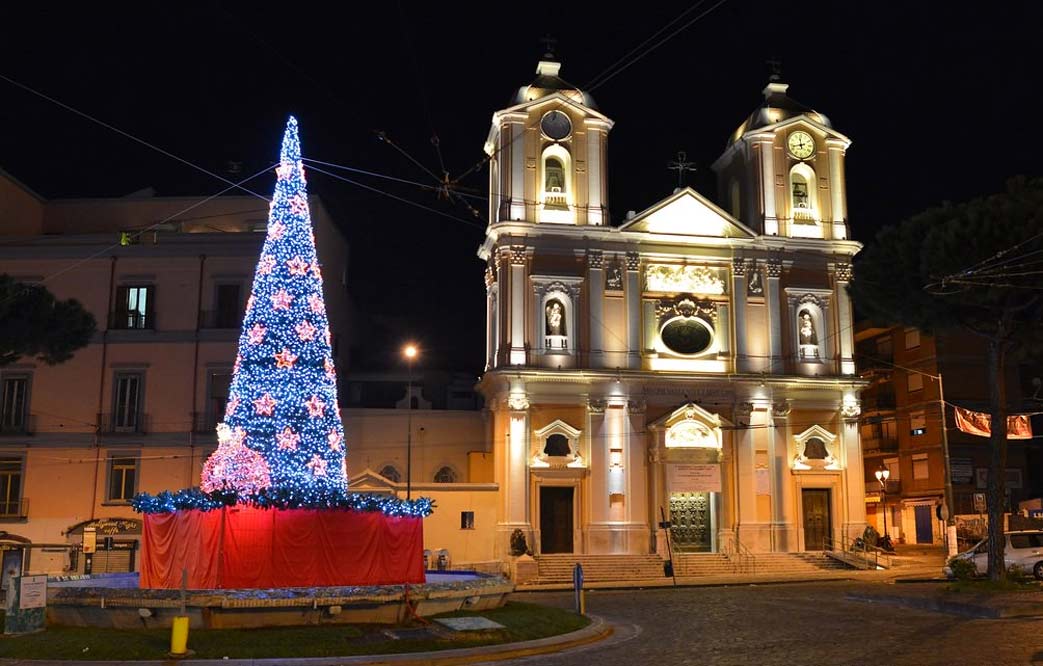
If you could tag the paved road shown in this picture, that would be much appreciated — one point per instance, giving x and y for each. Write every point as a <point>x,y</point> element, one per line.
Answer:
<point>789,625</point>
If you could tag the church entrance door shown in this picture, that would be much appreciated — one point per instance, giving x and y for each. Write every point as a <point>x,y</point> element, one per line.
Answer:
<point>817,520</point>
<point>556,519</point>
<point>691,525</point>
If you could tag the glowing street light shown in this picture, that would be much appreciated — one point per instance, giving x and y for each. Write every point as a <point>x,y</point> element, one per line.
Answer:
<point>882,475</point>
<point>410,352</point>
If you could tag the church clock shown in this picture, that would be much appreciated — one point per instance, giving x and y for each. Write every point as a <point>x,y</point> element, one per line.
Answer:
<point>800,145</point>
<point>556,125</point>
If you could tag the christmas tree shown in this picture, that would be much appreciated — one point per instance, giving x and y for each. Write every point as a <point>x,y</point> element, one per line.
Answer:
<point>282,429</point>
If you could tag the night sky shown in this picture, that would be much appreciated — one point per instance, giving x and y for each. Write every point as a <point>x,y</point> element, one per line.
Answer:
<point>942,102</point>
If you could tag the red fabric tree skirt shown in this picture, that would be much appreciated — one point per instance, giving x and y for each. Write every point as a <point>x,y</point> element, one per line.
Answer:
<point>244,547</point>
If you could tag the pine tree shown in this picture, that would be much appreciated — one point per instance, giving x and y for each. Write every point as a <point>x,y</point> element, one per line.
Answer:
<point>282,427</point>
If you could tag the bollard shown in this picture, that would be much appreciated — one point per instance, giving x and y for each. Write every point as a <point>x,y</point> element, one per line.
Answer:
<point>179,636</point>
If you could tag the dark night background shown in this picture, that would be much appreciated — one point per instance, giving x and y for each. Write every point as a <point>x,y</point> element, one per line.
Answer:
<point>941,100</point>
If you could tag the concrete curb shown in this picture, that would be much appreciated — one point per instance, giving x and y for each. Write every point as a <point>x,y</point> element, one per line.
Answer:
<point>597,630</point>
<point>965,609</point>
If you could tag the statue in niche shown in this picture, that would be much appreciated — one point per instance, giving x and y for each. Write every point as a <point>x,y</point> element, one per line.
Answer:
<point>614,278</point>
<point>808,336</point>
<point>555,175</point>
<point>555,318</point>
<point>756,287</point>
<point>800,194</point>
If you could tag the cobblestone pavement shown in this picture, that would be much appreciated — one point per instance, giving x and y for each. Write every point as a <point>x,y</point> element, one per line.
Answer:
<point>793,624</point>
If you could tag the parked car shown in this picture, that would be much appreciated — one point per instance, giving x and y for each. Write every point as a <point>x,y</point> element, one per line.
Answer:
<point>1023,548</point>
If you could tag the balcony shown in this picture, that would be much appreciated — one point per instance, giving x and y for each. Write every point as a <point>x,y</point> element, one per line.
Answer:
<point>18,426</point>
<point>123,424</point>
<point>16,509</point>
<point>132,321</point>
<point>879,445</point>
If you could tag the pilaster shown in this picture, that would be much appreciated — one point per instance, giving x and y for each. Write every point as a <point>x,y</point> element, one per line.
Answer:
<point>596,285</point>
<point>739,304</point>
<point>854,518</point>
<point>632,296</point>
<point>518,261</point>
<point>773,306</point>
<point>784,518</point>
<point>845,326</point>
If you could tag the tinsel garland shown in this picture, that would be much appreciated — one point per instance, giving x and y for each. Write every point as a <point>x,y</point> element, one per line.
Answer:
<point>281,498</point>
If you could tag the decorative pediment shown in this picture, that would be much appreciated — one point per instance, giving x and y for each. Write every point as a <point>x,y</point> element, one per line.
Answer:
<point>557,445</point>
<point>369,481</point>
<point>688,213</point>
<point>691,427</point>
<point>816,448</point>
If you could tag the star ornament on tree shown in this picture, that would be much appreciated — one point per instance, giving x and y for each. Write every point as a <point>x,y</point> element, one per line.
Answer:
<point>305,331</point>
<point>316,304</point>
<point>331,371</point>
<point>281,300</point>
<point>265,405</point>
<point>285,359</point>
<point>288,439</point>
<point>232,405</point>
<point>256,334</point>
<point>276,230</point>
<point>284,170</point>
<point>298,205</point>
<point>317,465</point>
<point>297,266</point>
<point>266,264</point>
<point>335,439</point>
<point>316,407</point>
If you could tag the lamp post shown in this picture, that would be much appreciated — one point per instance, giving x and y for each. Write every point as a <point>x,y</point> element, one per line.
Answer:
<point>410,352</point>
<point>881,475</point>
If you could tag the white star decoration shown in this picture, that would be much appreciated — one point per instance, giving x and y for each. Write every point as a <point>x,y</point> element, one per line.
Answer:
<point>305,331</point>
<point>256,334</point>
<point>281,300</point>
<point>316,407</point>
<point>317,465</point>
<point>288,439</point>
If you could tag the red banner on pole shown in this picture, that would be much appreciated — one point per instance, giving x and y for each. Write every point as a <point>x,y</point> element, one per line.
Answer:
<point>980,424</point>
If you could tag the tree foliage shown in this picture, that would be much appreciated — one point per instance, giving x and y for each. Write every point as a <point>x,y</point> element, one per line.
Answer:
<point>973,266</point>
<point>35,324</point>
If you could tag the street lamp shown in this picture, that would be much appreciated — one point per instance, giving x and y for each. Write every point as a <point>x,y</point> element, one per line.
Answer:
<point>410,352</point>
<point>881,475</point>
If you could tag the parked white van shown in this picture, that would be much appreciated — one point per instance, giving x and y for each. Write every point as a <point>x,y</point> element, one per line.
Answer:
<point>1023,548</point>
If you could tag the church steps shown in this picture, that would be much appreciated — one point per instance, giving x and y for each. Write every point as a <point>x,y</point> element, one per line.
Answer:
<point>557,568</point>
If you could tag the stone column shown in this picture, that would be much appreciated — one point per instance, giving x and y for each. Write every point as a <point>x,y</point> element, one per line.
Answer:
<point>744,463</point>
<point>636,473</point>
<point>595,177</point>
<point>854,518</point>
<point>739,307</point>
<point>845,327</point>
<point>513,472</point>
<point>784,532</point>
<point>837,199</point>
<point>764,144</point>
<point>490,318</point>
<point>517,356</point>
<point>632,296</point>
<point>516,147</point>
<point>596,287</point>
<point>598,436</point>
<point>773,307</point>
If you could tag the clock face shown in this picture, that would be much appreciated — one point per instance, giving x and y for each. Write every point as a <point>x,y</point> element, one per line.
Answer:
<point>801,145</point>
<point>556,125</point>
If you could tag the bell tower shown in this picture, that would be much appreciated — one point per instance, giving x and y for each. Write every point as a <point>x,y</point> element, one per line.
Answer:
<point>782,172</point>
<point>547,154</point>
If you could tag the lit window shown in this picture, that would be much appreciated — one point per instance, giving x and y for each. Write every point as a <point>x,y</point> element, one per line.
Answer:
<point>917,423</point>
<point>135,307</point>
<point>123,472</point>
<point>467,520</point>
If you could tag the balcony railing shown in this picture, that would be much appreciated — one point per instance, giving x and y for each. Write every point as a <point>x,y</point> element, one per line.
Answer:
<point>220,319</point>
<point>117,424</point>
<point>18,426</point>
<point>17,508</point>
<point>130,321</point>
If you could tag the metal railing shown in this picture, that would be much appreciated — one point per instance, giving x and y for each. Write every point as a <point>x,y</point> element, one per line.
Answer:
<point>114,424</point>
<point>858,554</point>
<point>18,508</point>
<point>131,321</point>
<point>19,426</point>
<point>742,559</point>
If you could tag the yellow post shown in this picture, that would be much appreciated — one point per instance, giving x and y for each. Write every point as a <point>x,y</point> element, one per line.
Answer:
<point>582,602</point>
<point>179,635</point>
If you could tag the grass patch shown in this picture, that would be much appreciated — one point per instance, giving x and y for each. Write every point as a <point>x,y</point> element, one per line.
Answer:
<point>522,622</point>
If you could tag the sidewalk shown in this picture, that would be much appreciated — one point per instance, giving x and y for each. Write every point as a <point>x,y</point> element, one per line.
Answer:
<point>990,605</point>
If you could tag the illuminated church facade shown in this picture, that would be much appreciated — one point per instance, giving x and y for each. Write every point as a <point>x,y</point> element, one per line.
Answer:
<point>693,363</point>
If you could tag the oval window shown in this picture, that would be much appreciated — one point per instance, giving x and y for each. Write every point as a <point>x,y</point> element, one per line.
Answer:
<point>686,336</point>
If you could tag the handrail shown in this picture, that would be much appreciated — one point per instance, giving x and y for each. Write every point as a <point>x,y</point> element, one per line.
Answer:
<point>742,559</point>
<point>871,556</point>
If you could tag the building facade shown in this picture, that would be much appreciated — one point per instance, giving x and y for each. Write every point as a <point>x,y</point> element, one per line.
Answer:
<point>695,363</point>
<point>902,430</point>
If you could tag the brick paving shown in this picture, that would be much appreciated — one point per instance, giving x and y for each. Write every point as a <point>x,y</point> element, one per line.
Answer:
<point>790,625</point>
